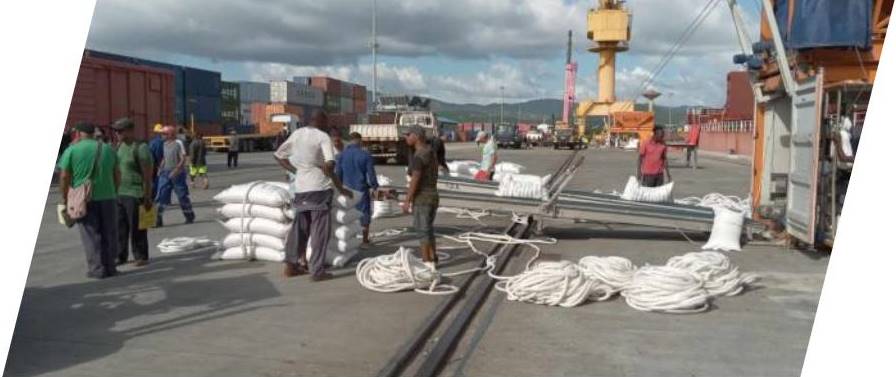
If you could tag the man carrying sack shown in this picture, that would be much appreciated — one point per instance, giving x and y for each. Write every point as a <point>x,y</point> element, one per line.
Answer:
<point>135,166</point>
<point>88,183</point>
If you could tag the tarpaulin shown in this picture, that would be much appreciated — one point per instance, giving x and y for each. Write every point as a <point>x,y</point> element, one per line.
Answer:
<point>825,23</point>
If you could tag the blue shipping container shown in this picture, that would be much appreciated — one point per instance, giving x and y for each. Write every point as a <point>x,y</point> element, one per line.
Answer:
<point>204,109</point>
<point>199,82</point>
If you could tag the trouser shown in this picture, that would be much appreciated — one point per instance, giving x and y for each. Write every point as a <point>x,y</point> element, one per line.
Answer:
<point>99,234</point>
<point>129,231</point>
<point>233,159</point>
<point>652,180</point>
<point>692,151</point>
<point>179,185</point>
<point>424,217</point>
<point>312,217</point>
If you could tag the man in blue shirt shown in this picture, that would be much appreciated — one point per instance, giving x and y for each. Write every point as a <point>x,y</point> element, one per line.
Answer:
<point>157,150</point>
<point>354,166</point>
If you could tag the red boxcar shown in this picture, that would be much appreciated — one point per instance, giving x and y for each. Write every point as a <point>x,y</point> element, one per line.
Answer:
<point>106,90</point>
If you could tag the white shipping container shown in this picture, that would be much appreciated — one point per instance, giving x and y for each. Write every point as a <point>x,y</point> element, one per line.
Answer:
<point>296,94</point>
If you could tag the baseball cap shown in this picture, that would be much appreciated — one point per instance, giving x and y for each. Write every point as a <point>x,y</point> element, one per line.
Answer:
<point>158,128</point>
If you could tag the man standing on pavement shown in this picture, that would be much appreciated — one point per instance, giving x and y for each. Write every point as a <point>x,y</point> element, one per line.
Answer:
<point>157,149</point>
<point>198,167</point>
<point>173,176</point>
<point>233,152</point>
<point>135,167</point>
<point>309,155</point>
<point>91,160</point>
<point>423,198</point>
<point>489,154</point>
<point>355,170</point>
<point>652,162</point>
<point>438,146</point>
<point>692,142</point>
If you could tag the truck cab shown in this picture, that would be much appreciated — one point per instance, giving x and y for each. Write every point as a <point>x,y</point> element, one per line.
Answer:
<point>385,141</point>
<point>508,137</point>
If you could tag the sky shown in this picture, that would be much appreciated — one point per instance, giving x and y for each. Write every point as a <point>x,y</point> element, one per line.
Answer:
<point>460,51</point>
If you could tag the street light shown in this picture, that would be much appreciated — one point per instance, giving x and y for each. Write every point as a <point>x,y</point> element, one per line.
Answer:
<point>502,105</point>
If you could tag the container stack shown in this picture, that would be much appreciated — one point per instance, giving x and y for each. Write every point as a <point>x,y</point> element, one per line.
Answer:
<point>259,219</point>
<point>345,240</point>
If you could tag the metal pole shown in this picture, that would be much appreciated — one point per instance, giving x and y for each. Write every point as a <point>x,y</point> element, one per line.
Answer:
<point>374,46</point>
<point>502,106</point>
<point>780,52</point>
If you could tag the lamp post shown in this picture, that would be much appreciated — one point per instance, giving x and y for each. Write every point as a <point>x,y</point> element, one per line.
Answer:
<point>502,106</point>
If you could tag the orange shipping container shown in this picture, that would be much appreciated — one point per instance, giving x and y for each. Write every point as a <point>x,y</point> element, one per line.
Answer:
<point>266,127</point>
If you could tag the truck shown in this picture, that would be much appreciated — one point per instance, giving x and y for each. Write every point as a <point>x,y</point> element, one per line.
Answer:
<point>385,142</point>
<point>508,136</point>
<point>567,138</point>
<point>256,141</point>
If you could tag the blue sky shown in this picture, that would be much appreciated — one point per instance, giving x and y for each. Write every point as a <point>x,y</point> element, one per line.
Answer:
<point>458,51</point>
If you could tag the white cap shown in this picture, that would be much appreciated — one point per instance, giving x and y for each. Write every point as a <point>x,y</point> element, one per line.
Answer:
<point>481,135</point>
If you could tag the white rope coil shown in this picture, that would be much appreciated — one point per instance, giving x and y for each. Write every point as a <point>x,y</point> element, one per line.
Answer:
<point>666,289</point>
<point>183,244</point>
<point>613,272</point>
<point>720,276</point>
<point>549,283</point>
<point>400,271</point>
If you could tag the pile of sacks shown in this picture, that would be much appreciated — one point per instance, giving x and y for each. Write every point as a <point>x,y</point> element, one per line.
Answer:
<point>463,168</point>
<point>259,218</point>
<point>523,186</point>
<point>503,169</point>
<point>637,193</point>
<point>344,241</point>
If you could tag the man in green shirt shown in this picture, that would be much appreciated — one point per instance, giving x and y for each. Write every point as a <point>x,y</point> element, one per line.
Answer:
<point>135,166</point>
<point>99,228</point>
<point>423,197</point>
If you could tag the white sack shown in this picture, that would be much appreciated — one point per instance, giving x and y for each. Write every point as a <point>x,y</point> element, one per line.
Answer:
<point>383,180</point>
<point>254,239</point>
<point>509,167</point>
<point>635,192</point>
<point>341,259</point>
<point>385,208</point>
<point>726,230</point>
<point>346,216</point>
<point>346,202</point>
<point>278,214</point>
<point>264,193</point>
<point>257,225</point>
<point>345,232</point>
<point>522,186</point>
<point>253,253</point>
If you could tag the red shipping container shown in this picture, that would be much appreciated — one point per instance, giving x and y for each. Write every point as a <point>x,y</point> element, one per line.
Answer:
<point>739,103</point>
<point>266,127</point>
<point>328,85</point>
<point>106,90</point>
<point>359,107</point>
<point>359,92</point>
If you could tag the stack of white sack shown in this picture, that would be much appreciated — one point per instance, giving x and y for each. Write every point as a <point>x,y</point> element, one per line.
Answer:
<point>387,207</point>
<point>523,186</point>
<point>635,192</point>
<point>463,168</point>
<point>259,218</point>
<point>504,168</point>
<point>344,241</point>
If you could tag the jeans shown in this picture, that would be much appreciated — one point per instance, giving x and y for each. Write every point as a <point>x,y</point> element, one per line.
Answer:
<point>179,185</point>
<point>424,217</point>
<point>233,159</point>
<point>99,234</point>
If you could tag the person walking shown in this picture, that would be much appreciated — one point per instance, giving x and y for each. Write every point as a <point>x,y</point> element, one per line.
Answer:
<point>135,168</point>
<point>693,141</point>
<point>198,164</point>
<point>233,151</point>
<point>90,160</point>
<point>652,160</point>
<point>423,198</point>
<point>173,176</point>
<point>489,151</point>
<point>157,150</point>
<point>355,169</point>
<point>309,155</point>
<point>438,146</point>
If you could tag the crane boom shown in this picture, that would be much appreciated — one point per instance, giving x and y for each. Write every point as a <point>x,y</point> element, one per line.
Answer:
<point>571,70</point>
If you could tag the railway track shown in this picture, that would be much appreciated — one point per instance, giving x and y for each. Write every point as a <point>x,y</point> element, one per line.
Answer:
<point>439,337</point>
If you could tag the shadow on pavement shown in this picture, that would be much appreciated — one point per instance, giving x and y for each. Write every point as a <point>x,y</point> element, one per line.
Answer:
<point>67,325</point>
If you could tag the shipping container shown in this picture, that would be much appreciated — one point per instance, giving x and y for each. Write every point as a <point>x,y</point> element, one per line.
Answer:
<point>296,94</point>
<point>360,107</point>
<point>241,129</point>
<point>329,85</point>
<point>346,89</point>
<point>359,92</point>
<point>302,80</point>
<point>230,103</point>
<point>206,129</point>
<point>266,127</point>
<point>739,102</point>
<point>254,92</point>
<point>201,83</point>
<point>201,109</point>
<point>346,105</point>
<point>106,90</point>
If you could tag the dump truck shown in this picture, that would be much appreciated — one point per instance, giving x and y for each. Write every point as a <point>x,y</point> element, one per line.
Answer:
<point>385,142</point>
<point>257,141</point>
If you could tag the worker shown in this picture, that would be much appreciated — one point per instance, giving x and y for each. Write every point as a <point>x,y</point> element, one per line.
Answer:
<point>652,160</point>
<point>94,161</point>
<point>173,176</point>
<point>489,151</point>
<point>157,149</point>
<point>438,146</point>
<point>233,150</point>
<point>355,169</point>
<point>692,142</point>
<point>309,155</point>
<point>198,164</point>
<point>135,167</point>
<point>338,146</point>
<point>423,198</point>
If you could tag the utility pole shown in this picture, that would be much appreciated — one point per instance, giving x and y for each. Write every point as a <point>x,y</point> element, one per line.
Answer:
<point>374,46</point>
<point>502,106</point>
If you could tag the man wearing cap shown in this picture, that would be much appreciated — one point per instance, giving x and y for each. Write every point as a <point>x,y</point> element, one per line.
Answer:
<point>135,167</point>
<point>423,198</point>
<point>309,155</point>
<point>354,166</point>
<point>173,176</point>
<point>198,164</point>
<point>157,149</point>
<point>91,160</point>
<point>489,154</point>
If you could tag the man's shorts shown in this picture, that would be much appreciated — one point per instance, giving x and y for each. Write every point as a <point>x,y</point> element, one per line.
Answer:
<point>424,217</point>
<point>198,169</point>
<point>652,180</point>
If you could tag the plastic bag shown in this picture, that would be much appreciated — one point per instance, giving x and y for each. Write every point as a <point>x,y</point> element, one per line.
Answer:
<point>147,217</point>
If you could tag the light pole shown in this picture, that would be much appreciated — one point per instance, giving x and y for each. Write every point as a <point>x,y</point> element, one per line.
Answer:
<point>502,106</point>
<point>670,108</point>
<point>374,45</point>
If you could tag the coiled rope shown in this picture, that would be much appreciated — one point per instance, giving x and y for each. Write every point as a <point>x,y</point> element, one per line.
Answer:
<point>721,277</point>
<point>667,290</point>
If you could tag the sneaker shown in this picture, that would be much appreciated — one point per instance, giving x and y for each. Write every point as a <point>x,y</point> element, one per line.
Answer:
<point>190,219</point>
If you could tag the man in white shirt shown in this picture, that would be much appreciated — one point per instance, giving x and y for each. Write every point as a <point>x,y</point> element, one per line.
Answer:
<point>309,155</point>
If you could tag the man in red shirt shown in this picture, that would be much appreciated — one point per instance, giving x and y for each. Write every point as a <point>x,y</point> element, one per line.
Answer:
<point>652,161</point>
<point>692,141</point>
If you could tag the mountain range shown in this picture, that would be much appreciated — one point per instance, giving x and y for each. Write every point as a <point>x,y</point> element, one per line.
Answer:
<point>534,111</point>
